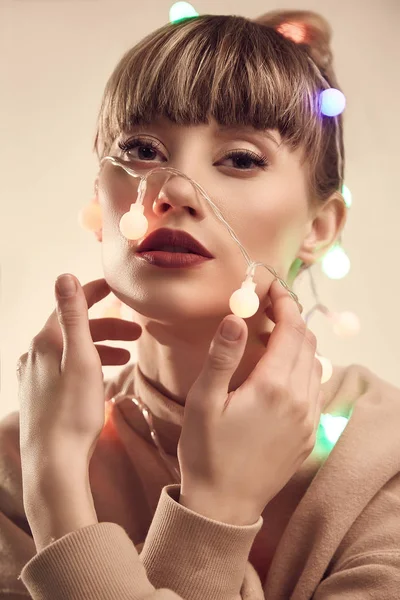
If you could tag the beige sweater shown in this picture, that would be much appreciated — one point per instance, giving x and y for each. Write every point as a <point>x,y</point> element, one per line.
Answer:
<point>341,542</point>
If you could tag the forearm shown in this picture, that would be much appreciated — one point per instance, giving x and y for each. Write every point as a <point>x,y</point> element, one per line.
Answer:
<point>187,551</point>
<point>55,508</point>
<point>51,523</point>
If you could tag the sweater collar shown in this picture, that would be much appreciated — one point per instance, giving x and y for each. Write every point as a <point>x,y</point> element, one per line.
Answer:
<point>167,414</point>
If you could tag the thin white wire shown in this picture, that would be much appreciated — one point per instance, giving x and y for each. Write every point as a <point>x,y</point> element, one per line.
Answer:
<point>142,188</point>
<point>250,271</point>
<point>149,420</point>
<point>251,264</point>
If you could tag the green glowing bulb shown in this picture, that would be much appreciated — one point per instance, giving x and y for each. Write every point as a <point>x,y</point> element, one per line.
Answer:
<point>346,193</point>
<point>333,427</point>
<point>329,430</point>
<point>181,10</point>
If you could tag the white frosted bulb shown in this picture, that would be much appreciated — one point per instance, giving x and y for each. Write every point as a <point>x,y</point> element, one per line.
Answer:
<point>244,302</point>
<point>327,368</point>
<point>346,324</point>
<point>133,224</point>
<point>113,310</point>
<point>89,217</point>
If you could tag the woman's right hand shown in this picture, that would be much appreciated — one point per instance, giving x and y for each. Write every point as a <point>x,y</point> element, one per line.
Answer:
<point>237,450</point>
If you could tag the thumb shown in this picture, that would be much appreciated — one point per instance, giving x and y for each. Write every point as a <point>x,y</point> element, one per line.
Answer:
<point>223,359</point>
<point>72,312</point>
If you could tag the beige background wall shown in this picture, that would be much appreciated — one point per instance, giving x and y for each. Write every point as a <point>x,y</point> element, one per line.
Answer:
<point>55,58</point>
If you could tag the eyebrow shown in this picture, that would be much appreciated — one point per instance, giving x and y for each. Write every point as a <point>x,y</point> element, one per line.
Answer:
<point>227,129</point>
<point>260,133</point>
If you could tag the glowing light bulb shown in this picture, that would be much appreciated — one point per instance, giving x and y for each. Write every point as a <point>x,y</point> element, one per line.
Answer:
<point>294,31</point>
<point>347,197</point>
<point>327,368</point>
<point>113,310</point>
<point>108,406</point>
<point>89,217</point>
<point>333,426</point>
<point>181,10</point>
<point>332,102</point>
<point>346,324</point>
<point>336,263</point>
<point>133,224</point>
<point>245,302</point>
<point>330,428</point>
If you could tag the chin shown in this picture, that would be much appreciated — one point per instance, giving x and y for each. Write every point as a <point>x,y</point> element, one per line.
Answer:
<point>167,297</point>
<point>174,308</point>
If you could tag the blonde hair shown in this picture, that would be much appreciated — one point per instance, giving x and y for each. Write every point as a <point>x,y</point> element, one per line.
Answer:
<point>239,71</point>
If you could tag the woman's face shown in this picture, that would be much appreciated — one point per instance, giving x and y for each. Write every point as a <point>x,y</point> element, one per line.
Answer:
<point>266,205</point>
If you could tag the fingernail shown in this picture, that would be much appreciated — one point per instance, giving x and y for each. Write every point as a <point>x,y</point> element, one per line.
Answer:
<point>65,286</point>
<point>231,330</point>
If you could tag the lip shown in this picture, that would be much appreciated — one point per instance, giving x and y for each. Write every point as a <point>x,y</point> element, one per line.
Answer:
<point>172,237</point>
<point>172,260</point>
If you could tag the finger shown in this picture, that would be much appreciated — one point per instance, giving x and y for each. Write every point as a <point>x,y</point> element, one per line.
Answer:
<point>286,339</point>
<point>72,313</point>
<point>315,392</point>
<point>303,370</point>
<point>279,293</point>
<point>112,356</point>
<point>93,292</point>
<point>114,329</point>
<point>270,313</point>
<point>224,356</point>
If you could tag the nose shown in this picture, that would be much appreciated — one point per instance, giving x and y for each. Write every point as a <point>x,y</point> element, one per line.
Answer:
<point>178,194</point>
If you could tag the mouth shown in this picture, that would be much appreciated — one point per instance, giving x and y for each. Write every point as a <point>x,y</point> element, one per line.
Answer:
<point>172,241</point>
<point>172,260</point>
<point>172,249</point>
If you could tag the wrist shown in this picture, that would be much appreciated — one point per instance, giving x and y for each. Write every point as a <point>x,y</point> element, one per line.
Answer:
<point>209,505</point>
<point>49,523</point>
<point>54,510</point>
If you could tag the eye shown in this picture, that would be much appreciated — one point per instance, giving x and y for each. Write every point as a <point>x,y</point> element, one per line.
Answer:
<point>247,156</point>
<point>149,146</point>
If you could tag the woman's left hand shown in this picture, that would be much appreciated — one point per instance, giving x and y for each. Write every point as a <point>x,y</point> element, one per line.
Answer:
<point>61,389</point>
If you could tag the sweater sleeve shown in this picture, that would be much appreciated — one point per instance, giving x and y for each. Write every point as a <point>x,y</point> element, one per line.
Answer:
<point>185,556</point>
<point>197,556</point>
<point>101,562</point>
<point>367,562</point>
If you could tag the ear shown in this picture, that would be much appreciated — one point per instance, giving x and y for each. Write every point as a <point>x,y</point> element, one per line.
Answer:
<point>325,227</point>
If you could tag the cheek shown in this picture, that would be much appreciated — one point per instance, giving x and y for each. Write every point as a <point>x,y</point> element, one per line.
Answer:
<point>269,226</point>
<point>117,190</point>
<point>271,229</point>
<point>113,205</point>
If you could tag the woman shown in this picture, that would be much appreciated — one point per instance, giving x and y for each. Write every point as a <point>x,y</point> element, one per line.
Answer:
<point>244,507</point>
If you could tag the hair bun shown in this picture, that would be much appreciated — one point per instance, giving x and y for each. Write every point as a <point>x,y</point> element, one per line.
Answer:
<point>306,28</point>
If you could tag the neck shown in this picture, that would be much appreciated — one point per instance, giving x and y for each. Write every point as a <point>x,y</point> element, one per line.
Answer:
<point>171,357</point>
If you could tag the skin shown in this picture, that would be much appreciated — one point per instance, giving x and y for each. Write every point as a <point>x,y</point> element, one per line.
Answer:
<point>276,225</point>
<point>270,212</point>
